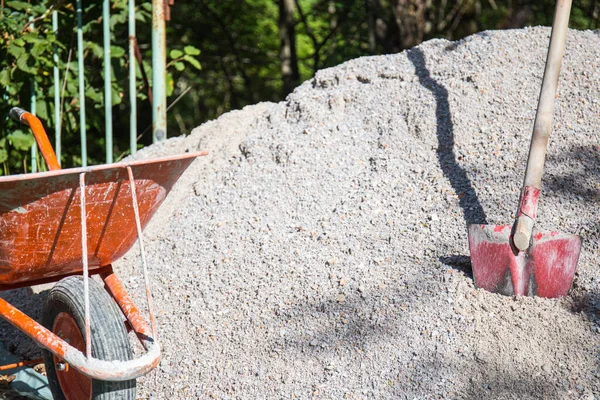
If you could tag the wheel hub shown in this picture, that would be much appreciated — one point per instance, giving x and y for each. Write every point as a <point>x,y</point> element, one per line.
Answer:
<point>74,385</point>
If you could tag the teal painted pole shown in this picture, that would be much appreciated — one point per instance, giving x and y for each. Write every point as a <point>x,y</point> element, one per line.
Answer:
<point>57,120</point>
<point>81,85</point>
<point>159,60</point>
<point>34,149</point>
<point>107,82</point>
<point>32,107</point>
<point>132,83</point>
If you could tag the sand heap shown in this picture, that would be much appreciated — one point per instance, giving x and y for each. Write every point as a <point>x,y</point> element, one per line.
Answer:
<point>321,249</point>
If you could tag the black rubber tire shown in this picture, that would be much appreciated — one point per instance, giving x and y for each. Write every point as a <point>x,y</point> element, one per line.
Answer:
<point>108,334</point>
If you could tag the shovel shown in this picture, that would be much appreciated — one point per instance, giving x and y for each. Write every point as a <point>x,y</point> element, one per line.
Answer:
<point>510,260</point>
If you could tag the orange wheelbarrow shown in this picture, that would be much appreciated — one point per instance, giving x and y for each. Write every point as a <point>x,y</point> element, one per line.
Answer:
<point>65,226</point>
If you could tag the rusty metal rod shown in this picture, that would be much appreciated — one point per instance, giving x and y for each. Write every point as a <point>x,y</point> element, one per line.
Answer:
<point>138,226</point>
<point>159,72</point>
<point>84,260</point>
<point>21,364</point>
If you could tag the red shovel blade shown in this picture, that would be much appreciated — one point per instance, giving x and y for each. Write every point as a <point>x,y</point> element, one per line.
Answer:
<point>546,269</point>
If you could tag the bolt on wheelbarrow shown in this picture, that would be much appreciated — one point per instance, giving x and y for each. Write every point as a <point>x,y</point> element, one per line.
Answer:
<point>65,226</point>
<point>512,260</point>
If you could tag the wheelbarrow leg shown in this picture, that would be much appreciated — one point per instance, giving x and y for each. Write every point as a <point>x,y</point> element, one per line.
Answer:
<point>117,290</point>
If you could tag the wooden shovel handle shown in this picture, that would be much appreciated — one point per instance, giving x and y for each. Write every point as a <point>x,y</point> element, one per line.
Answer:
<point>543,119</point>
<point>523,230</point>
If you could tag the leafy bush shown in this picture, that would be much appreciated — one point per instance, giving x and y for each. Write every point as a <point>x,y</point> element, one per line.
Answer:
<point>27,43</point>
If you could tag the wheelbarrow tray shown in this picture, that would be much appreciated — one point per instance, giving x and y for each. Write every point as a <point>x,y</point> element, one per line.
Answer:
<point>41,230</point>
<point>40,222</point>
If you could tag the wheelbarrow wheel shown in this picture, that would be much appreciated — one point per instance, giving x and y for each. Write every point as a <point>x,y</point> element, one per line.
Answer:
<point>64,314</point>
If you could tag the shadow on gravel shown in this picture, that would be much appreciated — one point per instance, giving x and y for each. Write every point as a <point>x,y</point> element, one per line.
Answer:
<point>353,323</point>
<point>356,319</point>
<point>389,323</point>
<point>585,301</point>
<point>31,304</point>
<point>472,209</point>
<point>579,185</point>
<point>460,263</point>
<point>510,385</point>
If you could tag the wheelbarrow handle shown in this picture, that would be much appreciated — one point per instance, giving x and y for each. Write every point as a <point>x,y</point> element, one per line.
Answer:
<point>27,118</point>
<point>16,113</point>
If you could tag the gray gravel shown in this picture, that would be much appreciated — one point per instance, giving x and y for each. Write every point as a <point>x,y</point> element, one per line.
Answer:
<point>320,250</point>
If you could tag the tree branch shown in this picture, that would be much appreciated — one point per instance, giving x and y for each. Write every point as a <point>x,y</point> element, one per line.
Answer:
<point>331,33</point>
<point>442,24</point>
<point>45,15</point>
<point>307,28</point>
<point>232,44</point>
<point>316,45</point>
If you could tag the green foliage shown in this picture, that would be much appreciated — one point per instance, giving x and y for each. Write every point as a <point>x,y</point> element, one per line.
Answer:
<point>23,60</point>
<point>181,58</point>
<point>240,41</point>
<point>19,140</point>
<point>239,63</point>
<point>26,57</point>
<point>3,152</point>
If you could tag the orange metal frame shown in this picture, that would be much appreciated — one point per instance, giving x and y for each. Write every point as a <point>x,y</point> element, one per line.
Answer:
<point>41,229</point>
<point>94,368</point>
<point>21,364</point>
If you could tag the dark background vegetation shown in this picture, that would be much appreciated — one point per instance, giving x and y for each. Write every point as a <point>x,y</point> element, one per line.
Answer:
<point>223,55</point>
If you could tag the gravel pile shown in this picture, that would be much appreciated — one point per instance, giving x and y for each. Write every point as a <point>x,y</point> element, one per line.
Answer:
<point>320,250</point>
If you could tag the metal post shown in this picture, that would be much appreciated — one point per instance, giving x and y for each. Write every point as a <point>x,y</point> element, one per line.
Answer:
<point>57,121</point>
<point>34,149</point>
<point>107,82</point>
<point>132,91</point>
<point>81,85</point>
<point>33,101</point>
<point>159,59</point>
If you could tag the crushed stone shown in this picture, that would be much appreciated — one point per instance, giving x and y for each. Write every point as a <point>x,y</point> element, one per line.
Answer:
<point>320,250</point>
